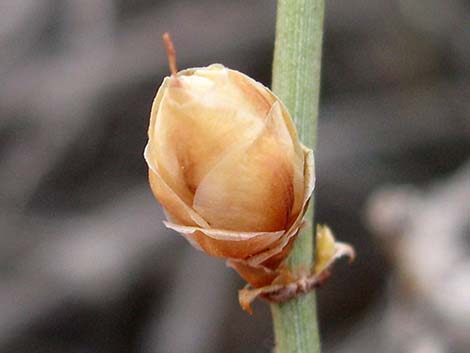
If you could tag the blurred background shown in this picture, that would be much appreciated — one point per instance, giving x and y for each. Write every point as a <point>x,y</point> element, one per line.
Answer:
<point>85,262</point>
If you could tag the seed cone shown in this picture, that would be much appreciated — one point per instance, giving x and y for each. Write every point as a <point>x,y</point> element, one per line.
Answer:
<point>227,166</point>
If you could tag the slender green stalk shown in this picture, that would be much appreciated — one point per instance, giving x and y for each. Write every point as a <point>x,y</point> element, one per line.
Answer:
<point>296,80</point>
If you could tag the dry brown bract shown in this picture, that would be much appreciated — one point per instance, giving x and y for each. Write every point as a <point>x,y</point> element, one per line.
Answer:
<point>285,286</point>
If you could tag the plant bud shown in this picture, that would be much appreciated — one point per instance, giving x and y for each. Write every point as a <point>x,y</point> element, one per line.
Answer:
<point>227,166</point>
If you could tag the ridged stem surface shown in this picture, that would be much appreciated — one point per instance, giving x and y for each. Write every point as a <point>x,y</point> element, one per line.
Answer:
<point>296,81</point>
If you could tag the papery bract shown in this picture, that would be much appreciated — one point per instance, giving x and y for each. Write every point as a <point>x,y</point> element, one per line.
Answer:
<point>227,166</point>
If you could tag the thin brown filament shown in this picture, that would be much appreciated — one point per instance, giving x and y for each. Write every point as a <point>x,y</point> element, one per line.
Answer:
<point>170,49</point>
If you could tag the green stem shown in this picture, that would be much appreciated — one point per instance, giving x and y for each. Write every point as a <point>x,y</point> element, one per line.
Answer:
<point>296,80</point>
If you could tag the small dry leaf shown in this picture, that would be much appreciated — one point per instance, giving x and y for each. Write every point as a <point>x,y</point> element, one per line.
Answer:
<point>328,250</point>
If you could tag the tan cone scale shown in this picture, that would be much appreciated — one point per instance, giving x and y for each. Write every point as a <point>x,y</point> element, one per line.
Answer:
<point>227,166</point>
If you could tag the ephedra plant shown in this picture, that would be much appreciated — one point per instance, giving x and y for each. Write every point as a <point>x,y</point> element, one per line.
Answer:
<point>231,162</point>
